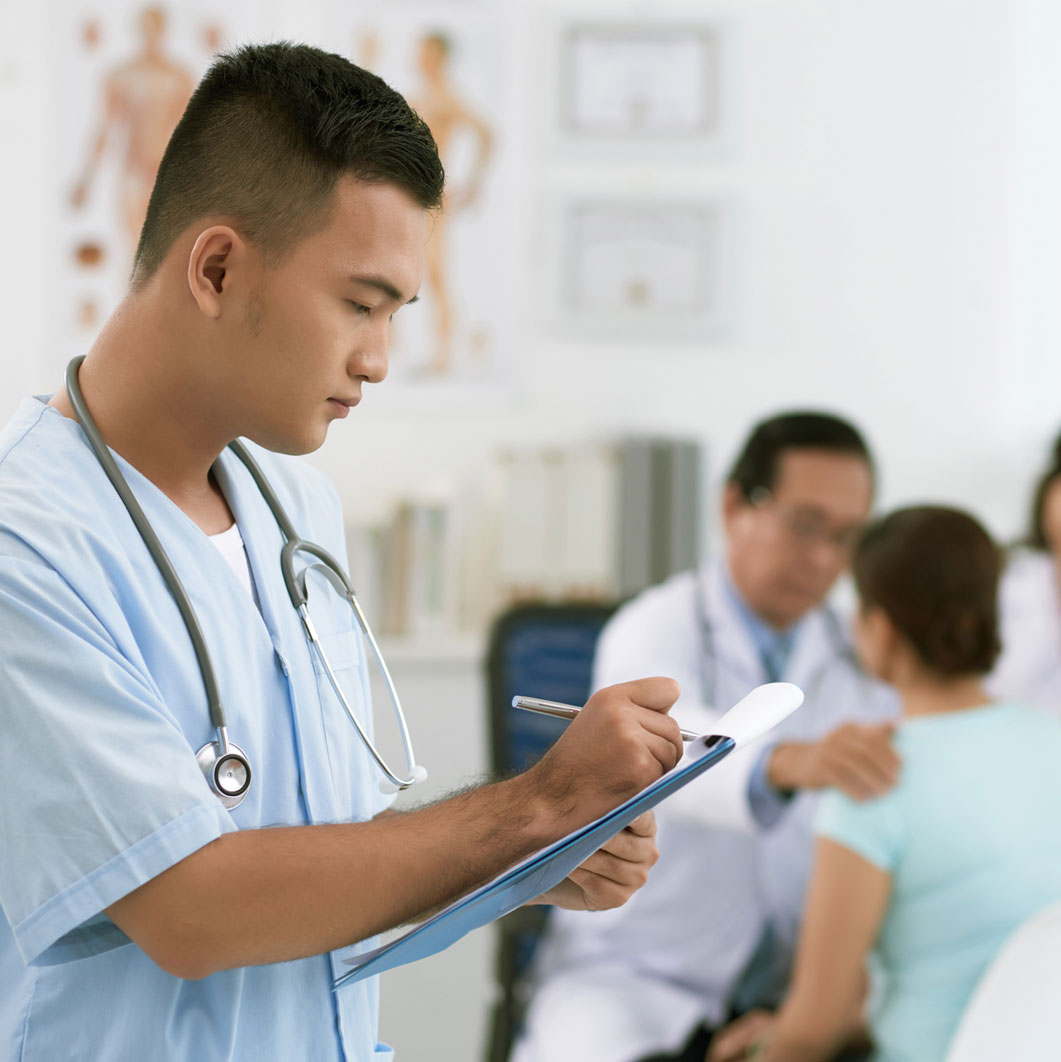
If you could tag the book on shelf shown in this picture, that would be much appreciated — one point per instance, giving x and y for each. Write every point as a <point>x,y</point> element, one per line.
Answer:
<point>589,521</point>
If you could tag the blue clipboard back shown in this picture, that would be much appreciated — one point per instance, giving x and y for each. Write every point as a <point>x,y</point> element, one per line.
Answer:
<point>534,875</point>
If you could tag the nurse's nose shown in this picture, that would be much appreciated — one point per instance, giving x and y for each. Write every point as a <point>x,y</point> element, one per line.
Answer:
<point>371,360</point>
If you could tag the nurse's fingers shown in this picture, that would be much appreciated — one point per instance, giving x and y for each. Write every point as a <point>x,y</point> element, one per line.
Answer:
<point>612,874</point>
<point>632,845</point>
<point>609,881</point>
<point>666,748</point>
<point>657,693</point>
<point>620,742</point>
<point>644,825</point>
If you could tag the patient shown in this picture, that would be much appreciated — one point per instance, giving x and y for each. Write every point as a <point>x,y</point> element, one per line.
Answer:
<point>925,883</point>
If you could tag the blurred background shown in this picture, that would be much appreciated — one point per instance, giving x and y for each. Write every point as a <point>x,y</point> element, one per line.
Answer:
<point>665,220</point>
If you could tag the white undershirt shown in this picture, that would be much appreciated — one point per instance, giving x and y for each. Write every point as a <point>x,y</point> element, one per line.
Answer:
<point>230,543</point>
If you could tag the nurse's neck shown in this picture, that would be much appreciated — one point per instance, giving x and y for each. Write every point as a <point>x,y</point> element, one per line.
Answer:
<point>153,409</point>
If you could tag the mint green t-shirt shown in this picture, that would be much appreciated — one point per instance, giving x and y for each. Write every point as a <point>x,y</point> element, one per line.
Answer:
<point>971,837</point>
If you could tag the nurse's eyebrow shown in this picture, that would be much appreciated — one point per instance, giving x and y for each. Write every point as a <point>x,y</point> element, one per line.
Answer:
<point>384,285</point>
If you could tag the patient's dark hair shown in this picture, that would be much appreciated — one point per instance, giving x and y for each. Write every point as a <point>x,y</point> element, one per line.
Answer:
<point>934,571</point>
<point>757,463</point>
<point>264,140</point>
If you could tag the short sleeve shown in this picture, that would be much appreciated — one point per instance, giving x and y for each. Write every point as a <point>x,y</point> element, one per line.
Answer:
<point>98,792</point>
<point>872,829</point>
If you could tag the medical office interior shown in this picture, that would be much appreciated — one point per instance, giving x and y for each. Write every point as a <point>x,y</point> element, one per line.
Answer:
<point>665,221</point>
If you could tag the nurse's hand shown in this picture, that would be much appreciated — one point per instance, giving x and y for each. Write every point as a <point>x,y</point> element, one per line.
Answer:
<point>860,760</point>
<point>620,742</point>
<point>613,873</point>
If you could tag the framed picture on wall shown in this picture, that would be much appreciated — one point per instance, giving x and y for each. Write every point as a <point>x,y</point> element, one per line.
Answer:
<point>641,268</point>
<point>640,81</point>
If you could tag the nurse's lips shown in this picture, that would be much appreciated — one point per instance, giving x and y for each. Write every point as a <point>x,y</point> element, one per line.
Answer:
<point>342,406</point>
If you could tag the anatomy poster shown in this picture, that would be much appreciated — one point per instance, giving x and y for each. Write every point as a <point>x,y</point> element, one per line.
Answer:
<point>453,62</point>
<point>124,74</point>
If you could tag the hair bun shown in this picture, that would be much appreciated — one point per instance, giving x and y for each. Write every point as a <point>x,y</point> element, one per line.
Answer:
<point>962,641</point>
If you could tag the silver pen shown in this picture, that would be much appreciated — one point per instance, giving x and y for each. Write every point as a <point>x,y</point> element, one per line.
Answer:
<point>567,711</point>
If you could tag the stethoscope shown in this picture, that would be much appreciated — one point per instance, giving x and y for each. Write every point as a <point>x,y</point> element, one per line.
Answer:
<point>225,764</point>
<point>709,656</point>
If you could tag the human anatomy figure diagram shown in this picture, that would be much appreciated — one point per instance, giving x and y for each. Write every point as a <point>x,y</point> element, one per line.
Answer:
<point>448,117</point>
<point>143,100</point>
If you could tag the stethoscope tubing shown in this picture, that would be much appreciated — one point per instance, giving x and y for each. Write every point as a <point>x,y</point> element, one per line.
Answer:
<point>154,547</point>
<point>296,589</point>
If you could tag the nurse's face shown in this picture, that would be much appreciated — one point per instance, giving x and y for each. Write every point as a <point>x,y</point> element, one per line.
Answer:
<point>787,548</point>
<point>317,325</point>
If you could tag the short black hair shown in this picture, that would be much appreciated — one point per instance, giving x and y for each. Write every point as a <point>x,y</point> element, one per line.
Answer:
<point>1036,537</point>
<point>264,140</point>
<point>756,465</point>
<point>934,571</point>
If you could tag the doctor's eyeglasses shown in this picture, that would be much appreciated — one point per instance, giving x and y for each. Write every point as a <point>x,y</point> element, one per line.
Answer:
<point>807,526</point>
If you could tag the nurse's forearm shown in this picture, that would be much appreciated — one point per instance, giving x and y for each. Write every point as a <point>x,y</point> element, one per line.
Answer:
<point>260,896</point>
<point>269,895</point>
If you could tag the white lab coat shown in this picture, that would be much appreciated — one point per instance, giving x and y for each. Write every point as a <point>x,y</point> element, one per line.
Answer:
<point>616,985</point>
<point>1029,669</point>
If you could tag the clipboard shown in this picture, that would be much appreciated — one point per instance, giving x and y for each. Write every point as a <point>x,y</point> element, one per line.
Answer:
<point>762,709</point>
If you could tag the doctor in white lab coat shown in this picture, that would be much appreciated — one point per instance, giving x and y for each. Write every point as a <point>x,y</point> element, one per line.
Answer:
<point>713,932</point>
<point>1029,602</point>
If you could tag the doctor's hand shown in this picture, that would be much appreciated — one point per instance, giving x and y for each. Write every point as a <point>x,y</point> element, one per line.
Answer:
<point>857,759</point>
<point>613,873</point>
<point>620,742</point>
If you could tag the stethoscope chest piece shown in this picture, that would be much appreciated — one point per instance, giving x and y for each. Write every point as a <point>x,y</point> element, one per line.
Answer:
<point>229,776</point>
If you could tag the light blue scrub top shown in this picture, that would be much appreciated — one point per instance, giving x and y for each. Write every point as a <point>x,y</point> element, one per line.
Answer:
<point>970,838</point>
<point>102,708</point>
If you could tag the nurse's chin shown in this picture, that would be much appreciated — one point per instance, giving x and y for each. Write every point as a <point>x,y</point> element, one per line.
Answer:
<point>291,443</point>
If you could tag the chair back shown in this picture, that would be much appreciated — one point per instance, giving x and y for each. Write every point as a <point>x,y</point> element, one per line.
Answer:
<point>1013,1011</point>
<point>544,651</point>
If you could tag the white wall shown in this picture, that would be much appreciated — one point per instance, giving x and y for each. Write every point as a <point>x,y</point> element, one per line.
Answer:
<point>893,168</point>
<point>887,184</point>
<point>891,173</point>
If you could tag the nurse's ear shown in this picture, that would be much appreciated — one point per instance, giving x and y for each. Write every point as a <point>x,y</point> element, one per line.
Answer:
<point>218,255</point>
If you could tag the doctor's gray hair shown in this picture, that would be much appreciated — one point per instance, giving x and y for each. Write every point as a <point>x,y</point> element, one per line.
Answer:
<point>264,140</point>
<point>757,463</point>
